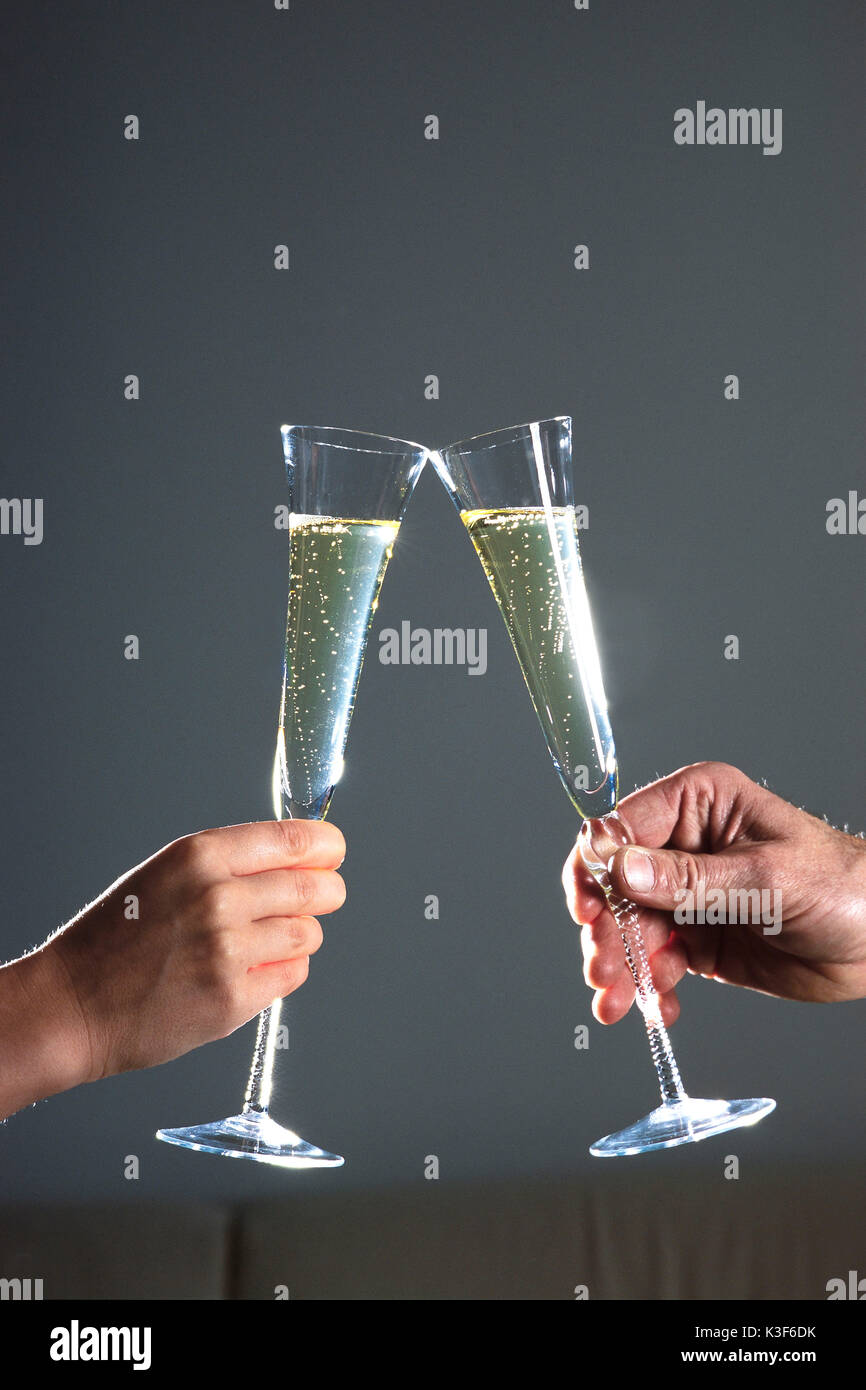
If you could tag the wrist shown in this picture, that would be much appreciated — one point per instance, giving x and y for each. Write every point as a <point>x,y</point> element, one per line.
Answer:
<point>43,1040</point>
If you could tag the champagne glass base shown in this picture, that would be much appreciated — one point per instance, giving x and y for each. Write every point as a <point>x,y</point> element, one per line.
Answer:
<point>681,1122</point>
<point>254,1135</point>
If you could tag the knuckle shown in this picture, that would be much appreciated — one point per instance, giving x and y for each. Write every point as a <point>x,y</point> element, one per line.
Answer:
<point>311,935</point>
<point>294,974</point>
<point>219,957</point>
<point>297,836</point>
<point>193,854</point>
<point>595,932</point>
<point>591,971</point>
<point>297,934</point>
<point>680,871</point>
<point>219,904</point>
<point>305,886</point>
<point>689,873</point>
<point>225,951</point>
<point>713,769</point>
<point>724,772</point>
<point>596,967</point>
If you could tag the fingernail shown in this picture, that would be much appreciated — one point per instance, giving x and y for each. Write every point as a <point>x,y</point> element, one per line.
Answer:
<point>639,870</point>
<point>599,843</point>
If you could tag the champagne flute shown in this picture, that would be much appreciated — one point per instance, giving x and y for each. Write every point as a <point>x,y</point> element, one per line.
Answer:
<point>348,492</point>
<point>513,490</point>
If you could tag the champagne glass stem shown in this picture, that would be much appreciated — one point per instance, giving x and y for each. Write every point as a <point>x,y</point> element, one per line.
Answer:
<point>597,851</point>
<point>258,1096</point>
<point>680,1119</point>
<point>667,1071</point>
<point>258,1093</point>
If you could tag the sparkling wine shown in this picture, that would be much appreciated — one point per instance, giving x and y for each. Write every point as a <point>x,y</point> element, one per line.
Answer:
<point>336,567</point>
<point>532,561</point>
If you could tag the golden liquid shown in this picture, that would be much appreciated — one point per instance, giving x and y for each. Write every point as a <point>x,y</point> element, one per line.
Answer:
<point>532,561</point>
<point>336,567</point>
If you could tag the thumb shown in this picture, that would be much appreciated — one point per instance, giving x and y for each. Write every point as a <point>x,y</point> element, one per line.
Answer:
<point>665,878</point>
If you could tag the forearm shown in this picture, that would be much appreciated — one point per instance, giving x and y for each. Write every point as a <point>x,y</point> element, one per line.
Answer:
<point>40,1042</point>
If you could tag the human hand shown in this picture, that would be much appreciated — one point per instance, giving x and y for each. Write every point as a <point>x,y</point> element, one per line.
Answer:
<point>706,828</point>
<point>226,923</point>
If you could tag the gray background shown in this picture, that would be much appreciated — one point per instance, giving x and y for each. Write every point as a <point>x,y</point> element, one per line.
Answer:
<point>411,257</point>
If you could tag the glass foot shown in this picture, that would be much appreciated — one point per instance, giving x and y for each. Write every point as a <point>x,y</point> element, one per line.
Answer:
<point>681,1122</point>
<point>252,1135</point>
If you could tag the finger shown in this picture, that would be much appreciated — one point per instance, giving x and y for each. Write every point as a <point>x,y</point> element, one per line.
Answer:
<point>274,982</point>
<point>603,949</point>
<point>290,892</point>
<point>686,807</point>
<point>668,964</point>
<point>277,844</point>
<point>613,1003</point>
<point>670,1008</point>
<point>702,946</point>
<point>584,898</point>
<point>673,878</point>
<point>280,939</point>
<point>603,954</point>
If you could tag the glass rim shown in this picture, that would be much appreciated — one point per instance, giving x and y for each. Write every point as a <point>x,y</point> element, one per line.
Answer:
<point>490,439</point>
<point>341,437</point>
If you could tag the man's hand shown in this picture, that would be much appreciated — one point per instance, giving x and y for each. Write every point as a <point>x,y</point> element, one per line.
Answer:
<point>226,922</point>
<point>709,827</point>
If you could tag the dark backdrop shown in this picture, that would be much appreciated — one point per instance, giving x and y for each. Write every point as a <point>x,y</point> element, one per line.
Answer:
<point>411,257</point>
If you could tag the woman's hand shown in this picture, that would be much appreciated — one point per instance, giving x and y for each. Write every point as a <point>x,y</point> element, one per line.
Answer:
<point>179,951</point>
